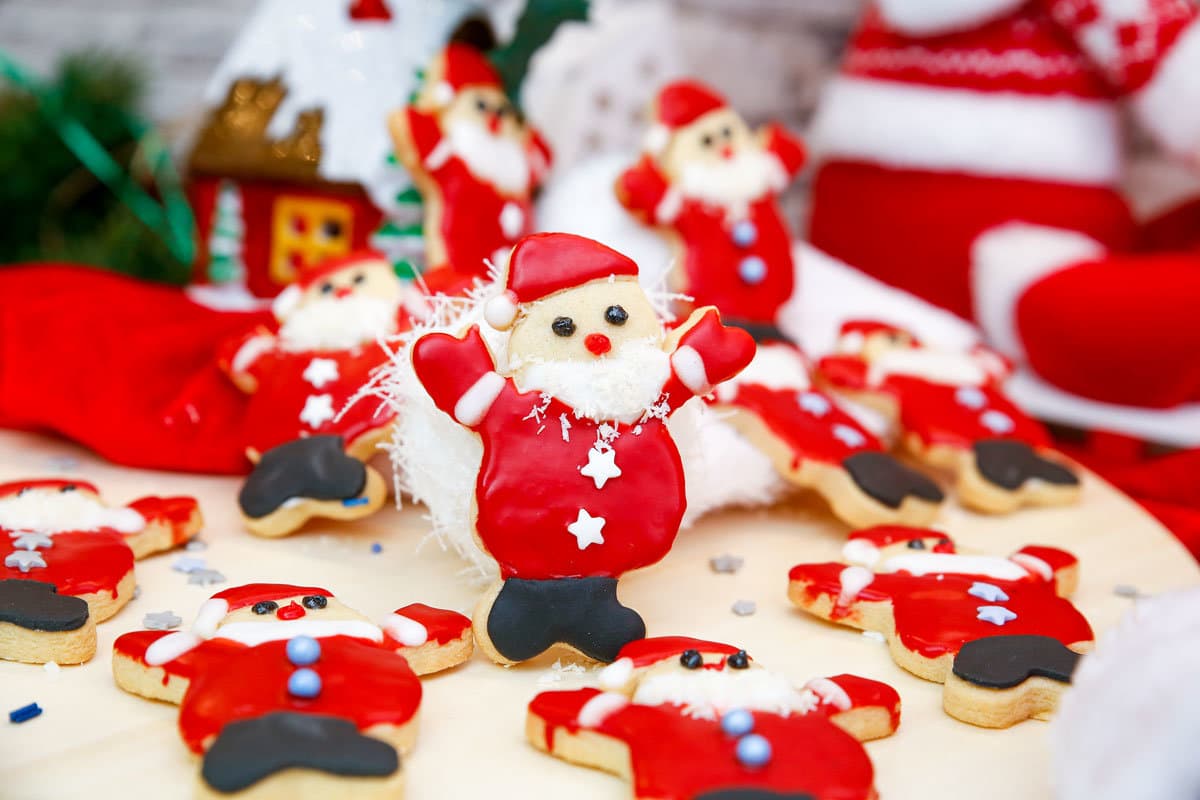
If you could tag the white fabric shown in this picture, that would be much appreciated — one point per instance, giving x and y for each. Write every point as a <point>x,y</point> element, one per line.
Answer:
<point>1169,105</point>
<point>1006,134</point>
<point>933,17</point>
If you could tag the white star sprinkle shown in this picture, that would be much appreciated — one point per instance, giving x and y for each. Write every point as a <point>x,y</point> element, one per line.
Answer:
<point>601,466</point>
<point>586,529</point>
<point>321,371</point>
<point>997,615</point>
<point>318,409</point>
<point>24,560</point>
<point>988,591</point>
<point>848,436</point>
<point>30,540</point>
<point>813,403</point>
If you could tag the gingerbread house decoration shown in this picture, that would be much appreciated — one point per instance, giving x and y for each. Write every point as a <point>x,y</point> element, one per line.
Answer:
<point>293,163</point>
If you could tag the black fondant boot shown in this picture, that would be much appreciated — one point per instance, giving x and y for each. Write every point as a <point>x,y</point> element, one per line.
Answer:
<point>606,626</point>
<point>1002,662</point>
<point>883,478</point>
<point>1008,464</point>
<point>315,468</point>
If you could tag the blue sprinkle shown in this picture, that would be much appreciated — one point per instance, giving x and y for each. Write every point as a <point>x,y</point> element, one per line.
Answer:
<point>752,270</point>
<point>376,548</point>
<point>753,750</point>
<point>355,501</point>
<point>737,722</point>
<point>303,650</point>
<point>745,233</point>
<point>304,683</point>
<point>25,713</point>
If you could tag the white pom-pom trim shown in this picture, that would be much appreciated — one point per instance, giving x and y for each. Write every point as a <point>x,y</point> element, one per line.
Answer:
<point>285,303</point>
<point>443,94</point>
<point>656,139</point>
<point>617,674</point>
<point>406,631</point>
<point>501,311</point>
<point>209,617</point>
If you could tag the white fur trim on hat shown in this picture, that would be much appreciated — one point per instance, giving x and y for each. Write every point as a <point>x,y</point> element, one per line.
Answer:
<point>1169,105</point>
<point>1006,261</point>
<point>287,300</point>
<point>209,617</point>
<point>443,94</point>
<point>656,139</point>
<point>501,311</point>
<point>930,17</point>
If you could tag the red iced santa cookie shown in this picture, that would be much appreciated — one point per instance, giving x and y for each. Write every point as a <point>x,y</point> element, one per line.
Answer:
<point>952,413</point>
<point>580,480</point>
<point>475,161</point>
<point>685,719</point>
<point>303,377</point>
<point>999,632</point>
<point>68,562</point>
<point>816,445</point>
<point>711,183</point>
<point>296,657</point>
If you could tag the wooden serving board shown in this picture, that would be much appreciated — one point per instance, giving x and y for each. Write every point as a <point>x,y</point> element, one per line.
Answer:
<point>95,741</point>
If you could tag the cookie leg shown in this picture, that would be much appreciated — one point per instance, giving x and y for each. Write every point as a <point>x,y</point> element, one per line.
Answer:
<point>1000,475</point>
<point>1001,680</point>
<point>520,620</point>
<point>878,490</point>
<point>601,626</point>
<point>38,625</point>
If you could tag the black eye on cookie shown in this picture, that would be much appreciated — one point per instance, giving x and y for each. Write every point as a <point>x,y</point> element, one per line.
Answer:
<point>563,326</point>
<point>707,140</point>
<point>615,315</point>
<point>727,132</point>
<point>315,601</point>
<point>265,607</point>
<point>481,105</point>
<point>326,288</point>
<point>360,279</point>
<point>916,544</point>
<point>738,660</point>
<point>691,659</point>
<point>70,487</point>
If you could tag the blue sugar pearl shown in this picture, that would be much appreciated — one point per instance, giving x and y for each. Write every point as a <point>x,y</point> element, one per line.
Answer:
<point>377,548</point>
<point>737,722</point>
<point>753,750</point>
<point>303,650</point>
<point>752,270</point>
<point>745,234</point>
<point>304,683</point>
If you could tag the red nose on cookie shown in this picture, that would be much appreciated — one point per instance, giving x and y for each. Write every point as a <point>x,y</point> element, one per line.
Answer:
<point>292,610</point>
<point>494,123</point>
<point>727,151</point>
<point>597,344</point>
<point>343,291</point>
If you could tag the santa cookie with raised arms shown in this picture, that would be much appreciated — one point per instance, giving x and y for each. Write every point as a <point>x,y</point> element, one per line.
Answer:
<point>67,562</point>
<point>998,632</point>
<point>475,161</point>
<point>266,661</point>
<point>580,480</point>
<point>712,184</point>
<point>952,413</point>
<point>686,719</point>
<point>302,378</point>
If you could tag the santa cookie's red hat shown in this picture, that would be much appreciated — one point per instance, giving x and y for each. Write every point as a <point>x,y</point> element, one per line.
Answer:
<point>862,547</point>
<point>213,610</point>
<point>463,66</point>
<point>53,484</point>
<point>545,263</point>
<point>854,332</point>
<point>680,103</point>
<point>286,301</point>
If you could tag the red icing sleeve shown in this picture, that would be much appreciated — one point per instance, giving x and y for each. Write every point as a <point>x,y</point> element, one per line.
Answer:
<point>255,364</point>
<point>442,626</point>
<point>540,157</point>
<point>424,131</point>
<point>845,372</point>
<point>175,513</point>
<point>448,367</point>
<point>787,148</point>
<point>561,709</point>
<point>641,188</point>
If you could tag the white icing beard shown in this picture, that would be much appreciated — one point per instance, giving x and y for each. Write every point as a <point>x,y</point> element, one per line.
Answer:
<point>252,633</point>
<point>938,366</point>
<point>52,511</point>
<point>708,693</point>
<point>620,386</point>
<point>934,563</point>
<point>734,183</point>
<point>338,324</point>
<point>495,159</point>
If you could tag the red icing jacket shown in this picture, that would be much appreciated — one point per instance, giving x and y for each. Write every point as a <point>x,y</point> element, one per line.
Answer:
<point>743,268</point>
<point>939,413</point>
<point>472,226</point>
<point>937,613</point>
<point>530,488</point>
<point>676,757</point>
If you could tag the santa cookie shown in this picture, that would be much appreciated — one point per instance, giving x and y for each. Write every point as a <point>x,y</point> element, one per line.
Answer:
<point>475,161</point>
<point>580,480</point>
<point>685,719</point>
<point>998,632</point>
<point>816,445</point>
<point>711,184</point>
<point>68,562</point>
<point>952,414</point>
<point>307,439</point>
<point>287,692</point>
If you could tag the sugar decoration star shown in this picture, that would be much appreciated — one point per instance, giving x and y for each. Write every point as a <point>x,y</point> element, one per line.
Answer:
<point>318,409</point>
<point>161,621</point>
<point>321,371</point>
<point>988,591</point>
<point>586,529</point>
<point>997,615</point>
<point>726,563</point>
<point>30,540</point>
<point>601,467</point>
<point>24,560</point>
<point>205,577</point>
<point>744,608</point>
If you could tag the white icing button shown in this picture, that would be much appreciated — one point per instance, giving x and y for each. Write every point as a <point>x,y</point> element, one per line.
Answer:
<point>24,560</point>
<point>970,397</point>
<point>996,421</point>
<point>988,591</point>
<point>601,466</point>
<point>321,371</point>
<point>848,436</point>
<point>512,220</point>
<point>586,529</point>
<point>318,409</point>
<point>813,403</point>
<point>30,540</point>
<point>997,615</point>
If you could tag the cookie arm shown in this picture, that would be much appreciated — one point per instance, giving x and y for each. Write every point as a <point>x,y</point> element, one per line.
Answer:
<point>244,358</point>
<point>864,708</point>
<point>707,353</point>
<point>844,372</point>
<point>431,639</point>
<point>643,190</point>
<point>784,146</point>
<point>458,374</point>
<point>170,521</point>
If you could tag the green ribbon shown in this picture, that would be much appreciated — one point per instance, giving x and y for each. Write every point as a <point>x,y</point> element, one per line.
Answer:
<point>171,220</point>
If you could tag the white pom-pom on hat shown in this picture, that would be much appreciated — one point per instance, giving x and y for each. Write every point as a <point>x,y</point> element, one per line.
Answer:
<point>656,139</point>
<point>443,93</point>
<point>501,311</point>
<point>286,301</point>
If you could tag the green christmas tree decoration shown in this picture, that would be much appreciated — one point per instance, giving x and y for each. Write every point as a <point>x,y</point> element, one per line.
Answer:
<point>537,23</point>
<point>228,233</point>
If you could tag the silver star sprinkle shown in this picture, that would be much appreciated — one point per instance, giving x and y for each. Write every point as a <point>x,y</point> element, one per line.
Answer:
<point>726,563</point>
<point>24,560</point>
<point>30,540</point>
<point>744,608</point>
<point>205,577</point>
<point>161,621</point>
<point>195,546</point>
<point>188,564</point>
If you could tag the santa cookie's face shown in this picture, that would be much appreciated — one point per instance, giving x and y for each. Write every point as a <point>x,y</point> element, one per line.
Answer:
<point>482,127</point>
<point>876,344</point>
<point>346,308</point>
<point>719,160</point>
<point>364,279</point>
<point>55,507</point>
<point>598,347</point>
<point>313,615</point>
